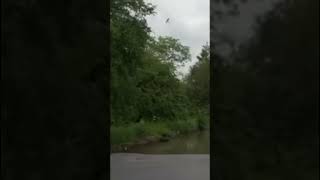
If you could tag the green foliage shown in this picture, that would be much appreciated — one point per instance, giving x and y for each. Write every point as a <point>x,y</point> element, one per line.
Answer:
<point>134,131</point>
<point>144,86</point>
<point>147,98</point>
<point>169,49</point>
<point>198,80</point>
<point>122,134</point>
<point>183,126</point>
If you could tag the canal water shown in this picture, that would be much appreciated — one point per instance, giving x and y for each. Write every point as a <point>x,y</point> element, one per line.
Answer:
<point>194,143</point>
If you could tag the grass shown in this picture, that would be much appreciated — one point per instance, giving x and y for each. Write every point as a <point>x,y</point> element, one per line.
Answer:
<point>130,133</point>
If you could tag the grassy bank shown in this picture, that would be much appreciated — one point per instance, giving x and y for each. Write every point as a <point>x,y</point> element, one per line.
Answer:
<point>132,133</point>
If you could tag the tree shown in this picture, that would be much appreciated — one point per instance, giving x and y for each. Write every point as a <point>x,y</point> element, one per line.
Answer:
<point>269,94</point>
<point>144,83</point>
<point>170,50</point>
<point>198,79</point>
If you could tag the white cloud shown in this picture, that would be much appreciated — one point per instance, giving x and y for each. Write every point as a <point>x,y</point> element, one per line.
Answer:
<point>189,22</point>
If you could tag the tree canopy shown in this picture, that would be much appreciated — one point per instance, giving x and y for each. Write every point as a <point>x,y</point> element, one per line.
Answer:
<point>144,84</point>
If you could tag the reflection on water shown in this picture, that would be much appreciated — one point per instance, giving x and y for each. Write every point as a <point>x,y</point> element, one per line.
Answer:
<point>195,143</point>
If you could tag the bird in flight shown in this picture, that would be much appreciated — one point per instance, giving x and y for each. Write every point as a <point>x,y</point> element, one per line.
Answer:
<point>167,21</point>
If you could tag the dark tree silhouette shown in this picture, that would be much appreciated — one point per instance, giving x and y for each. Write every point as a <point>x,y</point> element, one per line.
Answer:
<point>55,98</point>
<point>266,100</point>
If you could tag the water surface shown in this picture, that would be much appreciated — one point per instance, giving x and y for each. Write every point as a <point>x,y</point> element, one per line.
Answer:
<point>194,143</point>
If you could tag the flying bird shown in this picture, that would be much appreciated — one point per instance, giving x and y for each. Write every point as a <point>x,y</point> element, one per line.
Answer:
<point>167,21</point>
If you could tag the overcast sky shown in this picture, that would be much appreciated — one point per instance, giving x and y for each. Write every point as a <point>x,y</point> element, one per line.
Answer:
<point>189,22</point>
